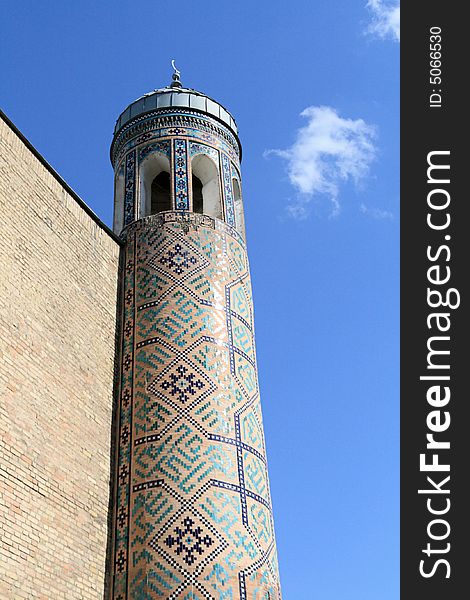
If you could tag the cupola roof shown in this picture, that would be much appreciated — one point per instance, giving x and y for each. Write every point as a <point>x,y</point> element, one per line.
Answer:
<point>177,96</point>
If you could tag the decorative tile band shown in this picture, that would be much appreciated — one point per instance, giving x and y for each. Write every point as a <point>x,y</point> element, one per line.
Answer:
<point>161,125</point>
<point>162,147</point>
<point>185,221</point>
<point>195,148</point>
<point>129,193</point>
<point>180,151</point>
<point>193,512</point>
<point>124,421</point>
<point>228,193</point>
<point>167,134</point>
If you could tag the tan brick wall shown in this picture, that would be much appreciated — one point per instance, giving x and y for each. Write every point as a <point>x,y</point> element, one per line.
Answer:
<point>58,279</point>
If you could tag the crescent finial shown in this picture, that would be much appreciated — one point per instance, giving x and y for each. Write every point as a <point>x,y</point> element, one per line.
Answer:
<point>176,83</point>
<point>177,72</point>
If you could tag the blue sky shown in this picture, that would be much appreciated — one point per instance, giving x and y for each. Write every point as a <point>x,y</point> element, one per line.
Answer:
<point>321,196</point>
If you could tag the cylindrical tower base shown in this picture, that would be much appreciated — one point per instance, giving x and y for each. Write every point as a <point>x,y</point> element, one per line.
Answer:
<point>193,513</point>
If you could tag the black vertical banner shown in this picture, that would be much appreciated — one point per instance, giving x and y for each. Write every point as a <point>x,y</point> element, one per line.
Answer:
<point>435,257</point>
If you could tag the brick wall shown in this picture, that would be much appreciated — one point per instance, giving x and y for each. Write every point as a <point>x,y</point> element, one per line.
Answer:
<point>58,280</point>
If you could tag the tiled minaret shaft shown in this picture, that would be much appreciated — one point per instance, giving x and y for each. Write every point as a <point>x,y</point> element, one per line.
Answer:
<point>193,514</point>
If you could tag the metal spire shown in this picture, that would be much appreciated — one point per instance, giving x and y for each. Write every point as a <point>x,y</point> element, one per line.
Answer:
<point>176,83</point>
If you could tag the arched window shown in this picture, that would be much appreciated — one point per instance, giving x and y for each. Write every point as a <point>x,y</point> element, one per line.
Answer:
<point>198,201</point>
<point>161,193</point>
<point>238,207</point>
<point>206,173</point>
<point>155,187</point>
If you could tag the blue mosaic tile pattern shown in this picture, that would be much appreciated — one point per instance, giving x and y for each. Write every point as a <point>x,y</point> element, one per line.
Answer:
<point>180,152</point>
<point>157,127</point>
<point>193,510</point>
<point>129,191</point>
<point>195,149</point>
<point>162,147</point>
<point>124,420</point>
<point>228,192</point>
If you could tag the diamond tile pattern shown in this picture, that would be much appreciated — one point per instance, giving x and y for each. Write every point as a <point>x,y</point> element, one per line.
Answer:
<point>193,513</point>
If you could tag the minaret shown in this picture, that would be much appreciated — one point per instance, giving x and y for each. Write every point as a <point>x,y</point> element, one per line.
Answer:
<point>193,516</point>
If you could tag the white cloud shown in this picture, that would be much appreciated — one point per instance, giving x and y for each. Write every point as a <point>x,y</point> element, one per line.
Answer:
<point>328,151</point>
<point>385,19</point>
<point>375,213</point>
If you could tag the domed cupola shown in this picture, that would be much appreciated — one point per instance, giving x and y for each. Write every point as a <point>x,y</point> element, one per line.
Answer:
<point>176,149</point>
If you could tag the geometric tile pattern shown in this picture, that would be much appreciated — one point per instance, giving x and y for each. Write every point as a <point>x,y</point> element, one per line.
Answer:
<point>228,194</point>
<point>193,516</point>
<point>179,144</point>
<point>129,191</point>
<point>195,148</point>
<point>180,149</point>
<point>162,147</point>
<point>174,122</point>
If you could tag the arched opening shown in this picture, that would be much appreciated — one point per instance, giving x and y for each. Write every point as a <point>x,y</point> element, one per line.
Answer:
<point>206,178</point>
<point>160,193</point>
<point>198,200</point>
<point>238,207</point>
<point>155,186</point>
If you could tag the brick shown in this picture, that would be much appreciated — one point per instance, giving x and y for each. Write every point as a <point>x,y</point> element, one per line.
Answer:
<point>58,282</point>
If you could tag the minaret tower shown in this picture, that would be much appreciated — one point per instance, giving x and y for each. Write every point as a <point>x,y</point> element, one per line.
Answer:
<point>192,516</point>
